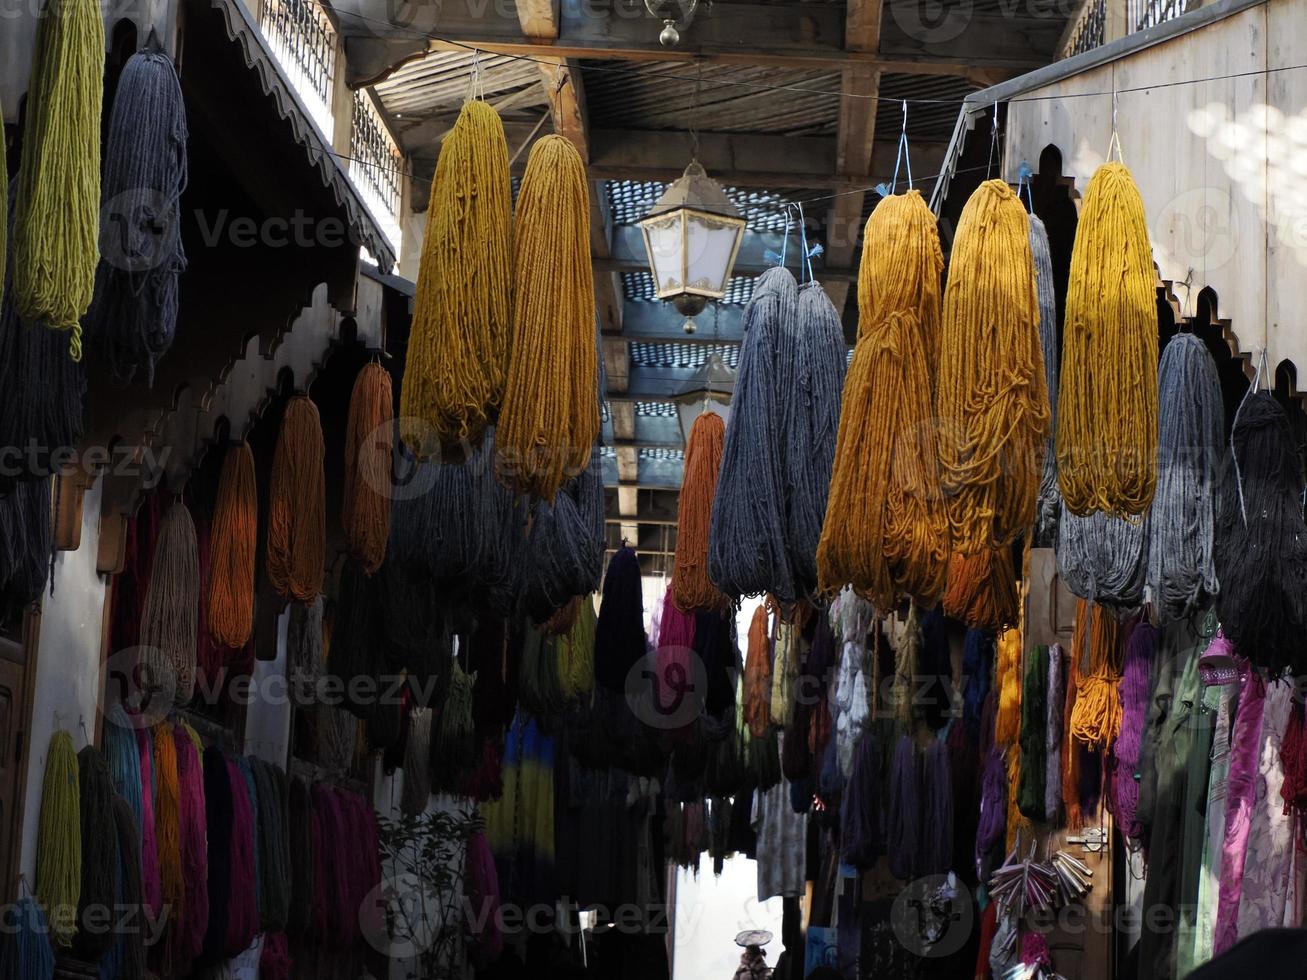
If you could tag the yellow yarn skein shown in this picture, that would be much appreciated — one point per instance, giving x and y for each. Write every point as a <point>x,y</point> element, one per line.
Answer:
<point>1107,393</point>
<point>59,840</point>
<point>458,350</point>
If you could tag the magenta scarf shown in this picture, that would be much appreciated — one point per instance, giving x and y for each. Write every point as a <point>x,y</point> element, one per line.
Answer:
<point>1240,798</point>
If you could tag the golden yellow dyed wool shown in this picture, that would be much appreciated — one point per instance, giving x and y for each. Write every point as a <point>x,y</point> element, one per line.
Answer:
<point>991,396</point>
<point>550,418</point>
<point>885,531</point>
<point>1107,393</point>
<point>1007,677</point>
<point>458,350</point>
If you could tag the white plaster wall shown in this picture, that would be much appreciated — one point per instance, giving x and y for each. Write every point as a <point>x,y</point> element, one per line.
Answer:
<point>68,662</point>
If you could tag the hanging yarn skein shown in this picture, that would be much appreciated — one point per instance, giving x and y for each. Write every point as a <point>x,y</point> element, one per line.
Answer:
<point>1096,718</point>
<point>59,840</point>
<point>619,633</point>
<point>170,620</point>
<point>991,397</point>
<point>365,507</point>
<point>691,586</point>
<point>25,952</point>
<point>57,217</point>
<point>233,541</point>
<point>1261,539</point>
<point>812,423</point>
<point>297,528</point>
<point>982,589</point>
<point>885,530</point>
<point>550,418</point>
<point>1050,498</point>
<point>1182,522</point>
<point>1107,395</point>
<point>462,310</point>
<point>133,313</point>
<point>746,542</point>
<point>1103,557</point>
<point>99,835</point>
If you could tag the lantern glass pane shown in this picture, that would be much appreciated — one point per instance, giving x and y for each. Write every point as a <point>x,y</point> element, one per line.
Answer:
<point>663,242</point>
<point>710,248</point>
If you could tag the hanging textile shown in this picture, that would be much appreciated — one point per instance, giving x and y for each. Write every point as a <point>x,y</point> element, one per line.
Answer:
<point>1053,732</point>
<point>1219,702</point>
<point>1240,802</point>
<point>781,849</point>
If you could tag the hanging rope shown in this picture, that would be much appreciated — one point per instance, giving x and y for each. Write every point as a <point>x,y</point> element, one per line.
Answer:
<point>812,420</point>
<point>1096,717</point>
<point>133,313</point>
<point>691,586</point>
<point>1107,412</point>
<point>1261,559</point>
<point>746,543</point>
<point>1103,558</point>
<point>59,840</point>
<point>297,505</point>
<point>1050,498</point>
<point>233,541</point>
<point>365,507</point>
<point>550,418</point>
<point>57,217</point>
<point>1183,517</point>
<point>458,349</point>
<point>885,531</point>
<point>982,589</point>
<point>169,622</point>
<point>991,398</point>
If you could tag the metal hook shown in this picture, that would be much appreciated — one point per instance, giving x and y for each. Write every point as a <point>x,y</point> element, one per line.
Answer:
<point>81,723</point>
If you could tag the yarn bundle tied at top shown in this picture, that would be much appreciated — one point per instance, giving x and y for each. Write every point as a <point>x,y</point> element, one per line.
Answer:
<point>59,840</point>
<point>133,314</point>
<point>1107,394</point>
<point>691,585</point>
<point>1261,539</point>
<point>57,217</point>
<point>885,530</point>
<point>233,541</point>
<point>1182,522</point>
<point>458,350</point>
<point>746,543</point>
<point>550,416</point>
<point>297,505</point>
<point>170,620</point>
<point>991,396</point>
<point>365,504</point>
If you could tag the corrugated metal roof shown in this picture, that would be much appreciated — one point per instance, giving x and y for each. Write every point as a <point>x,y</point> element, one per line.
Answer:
<point>662,410</point>
<point>931,121</point>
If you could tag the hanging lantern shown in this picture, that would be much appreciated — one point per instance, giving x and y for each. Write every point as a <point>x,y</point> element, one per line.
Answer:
<point>709,390</point>
<point>692,236</point>
<point>674,14</point>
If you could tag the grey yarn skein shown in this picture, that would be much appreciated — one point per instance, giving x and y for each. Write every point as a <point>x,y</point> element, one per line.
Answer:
<point>1182,522</point>
<point>746,543</point>
<point>1103,557</point>
<point>1050,497</point>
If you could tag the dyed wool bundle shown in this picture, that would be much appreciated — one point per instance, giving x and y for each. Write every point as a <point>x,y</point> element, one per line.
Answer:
<point>746,541</point>
<point>57,217</point>
<point>1107,396</point>
<point>1007,678</point>
<point>219,815</point>
<point>812,421</point>
<point>992,398</point>
<point>453,745</point>
<point>977,671</point>
<point>673,652</point>
<point>243,901</point>
<point>550,417</point>
<point>4,219</point>
<point>565,549</point>
<point>1050,498</point>
<point>168,834</point>
<point>233,540</point>
<point>458,352</point>
<point>576,655</point>
<point>130,955</point>
<point>99,840</point>
<point>304,647</point>
<point>274,958</point>
<point>1181,573</point>
<point>151,884</point>
<point>1071,751</point>
<point>982,589</point>
<point>123,760</point>
<point>886,532</point>
<point>1139,652</point>
<point>354,651</point>
<point>1103,557</point>
<point>1053,732</point>
<point>758,675</point>
<point>540,693</point>
<point>133,313</point>
<point>1261,539</point>
<point>297,527</point>
<point>1033,736</point>
<point>59,840</point>
<point>481,886</point>
<point>192,810</point>
<point>170,620</point>
<point>302,845</point>
<point>25,952</point>
<point>365,507</point>
<point>691,584</point>
<point>25,548</point>
<point>1096,718</point>
<point>936,810</point>
<point>619,632</point>
<point>903,811</point>
<point>994,789</point>
<point>245,766</point>
<point>274,845</point>
<point>417,769</point>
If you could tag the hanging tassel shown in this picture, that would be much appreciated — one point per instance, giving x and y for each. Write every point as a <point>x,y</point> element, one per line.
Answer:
<point>99,860</point>
<point>169,623</point>
<point>991,398</point>
<point>59,840</point>
<point>812,420</point>
<point>885,531</point>
<point>57,218</point>
<point>365,510</point>
<point>691,584</point>
<point>746,543</point>
<point>133,314</point>
<point>550,418</point>
<point>458,349</point>
<point>1107,412</point>
<point>233,541</point>
<point>297,505</point>
<point>982,589</point>
<point>1050,498</point>
<point>25,951</point>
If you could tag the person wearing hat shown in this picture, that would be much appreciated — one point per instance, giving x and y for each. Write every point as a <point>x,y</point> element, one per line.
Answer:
<point>753,962</point>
